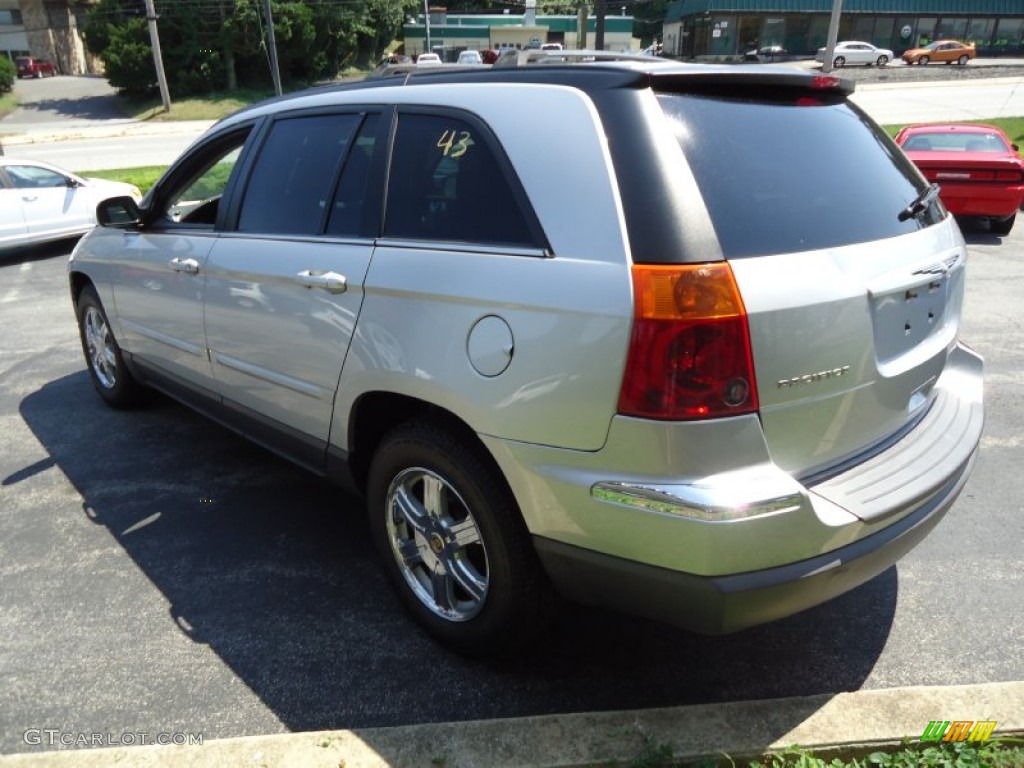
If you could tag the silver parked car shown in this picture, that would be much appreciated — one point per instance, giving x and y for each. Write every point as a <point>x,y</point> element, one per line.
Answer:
<point>709,397</point>
<point>856,52</point>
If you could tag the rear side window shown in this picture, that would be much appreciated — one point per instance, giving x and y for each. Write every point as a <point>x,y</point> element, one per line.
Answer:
<point>794,173</point>
<point>446,183</point>
<point>293,180</point>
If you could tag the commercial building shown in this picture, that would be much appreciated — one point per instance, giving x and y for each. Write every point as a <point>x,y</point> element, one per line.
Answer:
<point>724,28</point>
<point>454,32</point>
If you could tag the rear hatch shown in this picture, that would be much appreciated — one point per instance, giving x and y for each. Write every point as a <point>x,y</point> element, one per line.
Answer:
<point>852,292</point>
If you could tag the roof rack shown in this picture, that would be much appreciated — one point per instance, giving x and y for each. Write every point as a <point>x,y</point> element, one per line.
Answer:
<point>520,58</point>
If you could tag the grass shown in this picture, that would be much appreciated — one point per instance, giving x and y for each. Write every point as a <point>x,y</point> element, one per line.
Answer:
<point>998,753</point>
<point>211,107</point>
<point>8,103</point>
<point>143,178</point>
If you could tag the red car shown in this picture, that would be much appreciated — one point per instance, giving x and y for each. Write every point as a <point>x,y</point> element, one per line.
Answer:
<point>976,166</point>
<point>32,67</point>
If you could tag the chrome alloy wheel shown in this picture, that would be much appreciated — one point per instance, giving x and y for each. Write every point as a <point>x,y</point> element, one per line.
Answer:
<point>436,544</point>
<point>100,343</point>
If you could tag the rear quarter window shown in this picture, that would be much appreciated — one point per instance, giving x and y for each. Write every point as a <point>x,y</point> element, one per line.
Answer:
<point>795,172</point>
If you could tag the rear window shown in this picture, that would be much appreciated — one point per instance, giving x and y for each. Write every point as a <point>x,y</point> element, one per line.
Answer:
<point>794,173</point>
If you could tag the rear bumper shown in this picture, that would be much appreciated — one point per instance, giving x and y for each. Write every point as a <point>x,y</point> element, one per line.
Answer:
<point>718,548</point>
<point>981,199</point>
<point>722,604</point>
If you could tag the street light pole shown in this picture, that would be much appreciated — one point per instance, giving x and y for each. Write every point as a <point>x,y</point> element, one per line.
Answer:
<point>426,21</point>
<point>158,59</point>
<point>833,34</point>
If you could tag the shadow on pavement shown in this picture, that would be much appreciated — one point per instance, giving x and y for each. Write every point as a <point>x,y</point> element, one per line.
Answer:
<point>41,252</point>
<point>272,570</point>
<point>84,108</point>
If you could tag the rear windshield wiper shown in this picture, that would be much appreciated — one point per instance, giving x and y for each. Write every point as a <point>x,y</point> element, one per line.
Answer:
<point>920,204</point>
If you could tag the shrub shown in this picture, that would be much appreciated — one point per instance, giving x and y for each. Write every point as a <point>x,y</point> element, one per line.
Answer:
<point>7,74</point>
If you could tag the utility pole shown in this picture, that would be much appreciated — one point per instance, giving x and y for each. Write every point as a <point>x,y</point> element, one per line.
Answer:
<point>158,59</point>
<point>275,73</point>
<point>581,26</point>
<point>599,13</point>
<point>426,21</point>
<point>833,35</point>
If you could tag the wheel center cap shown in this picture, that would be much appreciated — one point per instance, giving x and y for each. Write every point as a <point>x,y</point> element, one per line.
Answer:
<point>436,543</point>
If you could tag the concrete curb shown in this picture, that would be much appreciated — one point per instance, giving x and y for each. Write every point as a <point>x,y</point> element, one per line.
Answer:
<point>825,723</point>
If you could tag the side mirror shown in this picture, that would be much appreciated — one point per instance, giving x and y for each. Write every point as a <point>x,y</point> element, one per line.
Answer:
<point>1015,148</point>
<point>118,212</point>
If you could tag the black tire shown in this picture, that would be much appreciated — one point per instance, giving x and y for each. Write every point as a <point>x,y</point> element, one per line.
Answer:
<point>1003,226</point>
<point>497,597</point>
<point>923,61</point>
<point>840,62</point>
<point>107,369</point>
<point>882,60</point>
<point>962,61</point>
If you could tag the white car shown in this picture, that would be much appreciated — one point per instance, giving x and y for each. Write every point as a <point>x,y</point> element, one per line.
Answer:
<point>41,202</point>
<point>428,60</point>
<point>470,57</point>
<point>856,52</point>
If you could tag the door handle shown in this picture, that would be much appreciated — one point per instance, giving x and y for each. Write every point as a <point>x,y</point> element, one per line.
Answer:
<point>30,198</point>
<point>331,282</point>
<point>190,266</point>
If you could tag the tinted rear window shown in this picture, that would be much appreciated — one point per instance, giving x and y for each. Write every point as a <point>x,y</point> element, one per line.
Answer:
<point>794,173</point>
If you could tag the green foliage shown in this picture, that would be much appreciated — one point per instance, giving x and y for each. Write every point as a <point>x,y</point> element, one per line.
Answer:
<point>8,103</point>
<point>212,45</point>
<point>998,753</point>
<point>653,755</point>
<point>8,72</point>
<point>143,178</point>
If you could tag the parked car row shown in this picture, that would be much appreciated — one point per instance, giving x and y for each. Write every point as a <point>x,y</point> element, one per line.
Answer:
<point>859,52</point>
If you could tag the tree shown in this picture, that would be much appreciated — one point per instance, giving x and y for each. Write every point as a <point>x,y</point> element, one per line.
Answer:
<point>211,45</point>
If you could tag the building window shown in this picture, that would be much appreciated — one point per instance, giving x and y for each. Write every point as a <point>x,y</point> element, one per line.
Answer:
<point>10,17</point>
<point>979,32</point>
<point>1008,36</point>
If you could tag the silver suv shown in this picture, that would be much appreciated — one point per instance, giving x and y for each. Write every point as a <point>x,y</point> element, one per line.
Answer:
<point>677,340</point>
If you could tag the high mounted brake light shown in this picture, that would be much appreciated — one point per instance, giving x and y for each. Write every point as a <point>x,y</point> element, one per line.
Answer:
<point>689,355</point>
<point>825,82</point>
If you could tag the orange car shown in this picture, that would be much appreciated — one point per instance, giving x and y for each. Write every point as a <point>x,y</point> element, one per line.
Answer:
<point>941,50</point>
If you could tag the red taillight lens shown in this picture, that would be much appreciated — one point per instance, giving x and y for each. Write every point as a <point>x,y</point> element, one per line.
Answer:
<point>689,356</point>
<point>1015,177</point>
<point>824,82</point>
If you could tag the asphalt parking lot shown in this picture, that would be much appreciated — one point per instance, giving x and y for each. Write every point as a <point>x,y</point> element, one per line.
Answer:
<point>161,575</point>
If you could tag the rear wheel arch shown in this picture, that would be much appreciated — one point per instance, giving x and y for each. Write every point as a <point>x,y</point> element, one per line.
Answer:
<point>375,414</point>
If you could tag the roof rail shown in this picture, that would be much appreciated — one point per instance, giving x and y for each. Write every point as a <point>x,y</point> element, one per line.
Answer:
<point>520,58</point>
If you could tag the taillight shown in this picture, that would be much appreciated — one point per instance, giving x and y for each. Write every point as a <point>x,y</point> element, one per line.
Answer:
<point>1014,177</point>
<point>689,355</point>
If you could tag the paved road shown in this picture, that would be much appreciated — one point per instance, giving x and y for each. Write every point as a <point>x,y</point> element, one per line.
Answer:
<point>891,103</point>
<point>63,101</point>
